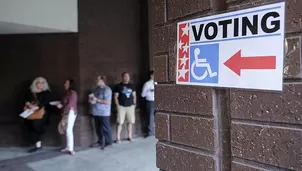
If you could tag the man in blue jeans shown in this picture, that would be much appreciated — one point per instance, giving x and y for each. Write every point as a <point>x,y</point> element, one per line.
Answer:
<point>101,110</point>
<point>148,94</point>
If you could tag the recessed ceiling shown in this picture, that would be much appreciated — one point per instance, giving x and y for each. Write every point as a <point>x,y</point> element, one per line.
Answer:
<point>13,28</point>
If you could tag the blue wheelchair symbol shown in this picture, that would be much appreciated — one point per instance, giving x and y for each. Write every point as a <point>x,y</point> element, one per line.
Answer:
<point>204,63</point>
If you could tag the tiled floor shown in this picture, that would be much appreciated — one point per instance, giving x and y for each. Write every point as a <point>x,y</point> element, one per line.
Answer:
<point>136,156</point>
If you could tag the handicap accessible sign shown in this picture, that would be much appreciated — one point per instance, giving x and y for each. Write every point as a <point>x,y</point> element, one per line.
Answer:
<point>241,49</point>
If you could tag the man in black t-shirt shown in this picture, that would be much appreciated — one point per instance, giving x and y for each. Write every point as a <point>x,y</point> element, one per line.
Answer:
<point>125,100</point>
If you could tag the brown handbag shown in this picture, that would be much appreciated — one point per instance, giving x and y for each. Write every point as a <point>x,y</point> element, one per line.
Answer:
<point>38,114</point>
<point>62,126</point>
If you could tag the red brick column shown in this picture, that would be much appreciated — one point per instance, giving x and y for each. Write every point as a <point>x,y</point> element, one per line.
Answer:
<point>110,43</point>
<point>202,129</point>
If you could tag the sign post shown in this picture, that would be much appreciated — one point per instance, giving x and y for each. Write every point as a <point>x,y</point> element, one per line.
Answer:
<point>241,49</point>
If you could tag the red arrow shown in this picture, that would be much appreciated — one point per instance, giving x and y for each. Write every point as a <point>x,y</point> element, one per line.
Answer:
<point>236,63</point>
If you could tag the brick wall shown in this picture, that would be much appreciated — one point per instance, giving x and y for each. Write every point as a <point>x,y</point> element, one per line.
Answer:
<point>111,42</point>
<point>204,129</point>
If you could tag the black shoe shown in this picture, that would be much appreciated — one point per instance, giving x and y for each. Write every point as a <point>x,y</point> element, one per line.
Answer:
<point>96,144</point>
<point>35,149</point>
<point>149,135</point>
<point>106,146</point>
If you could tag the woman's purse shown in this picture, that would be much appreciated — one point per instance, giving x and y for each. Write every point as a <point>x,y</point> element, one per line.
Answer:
<point>62,126</point>
<point>38,114</point>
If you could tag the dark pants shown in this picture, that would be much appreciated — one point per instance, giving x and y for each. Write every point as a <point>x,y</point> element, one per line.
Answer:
<point>36,128</point>
<point>103,129</point>
<point>150,112</point>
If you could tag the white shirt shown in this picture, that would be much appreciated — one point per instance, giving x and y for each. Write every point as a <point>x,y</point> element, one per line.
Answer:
<point>148,90</point>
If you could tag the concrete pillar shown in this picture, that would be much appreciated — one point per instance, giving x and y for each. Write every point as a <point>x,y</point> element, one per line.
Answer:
<point>203,129</point>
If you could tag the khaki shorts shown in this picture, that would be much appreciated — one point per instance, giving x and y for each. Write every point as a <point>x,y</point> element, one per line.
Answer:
<point>126,112</point>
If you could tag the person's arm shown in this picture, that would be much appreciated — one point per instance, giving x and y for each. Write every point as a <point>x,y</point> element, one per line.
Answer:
<point>116,95</point>
<point>27,105</point>
<point>134,95</point>
<point>116,98</point>
<point>145,90</point>
<point>107,97</point>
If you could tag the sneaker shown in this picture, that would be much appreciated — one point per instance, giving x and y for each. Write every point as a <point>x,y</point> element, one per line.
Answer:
<point>65,150</point>
<point>95,145</point>
<point>130,139</point>
<point>106,146</point>
<point>118,141</point>
<point>35,149</point>
<point>72,153</point>
<point>150,135</point>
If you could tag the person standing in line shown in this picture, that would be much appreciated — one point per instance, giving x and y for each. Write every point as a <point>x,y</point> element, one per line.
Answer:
<point>69,113</point>
<point>125,100</point>
<point>39,98</point>
<point>101,110</point>
<point>148,94</point>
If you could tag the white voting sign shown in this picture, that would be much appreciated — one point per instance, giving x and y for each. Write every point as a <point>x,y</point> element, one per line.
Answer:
<point>241,49</point>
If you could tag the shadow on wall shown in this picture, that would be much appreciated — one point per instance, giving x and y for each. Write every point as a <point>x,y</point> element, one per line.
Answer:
<point>21,92</point>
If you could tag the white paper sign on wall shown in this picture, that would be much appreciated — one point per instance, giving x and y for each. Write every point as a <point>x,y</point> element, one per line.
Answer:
<point>241,49</point>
